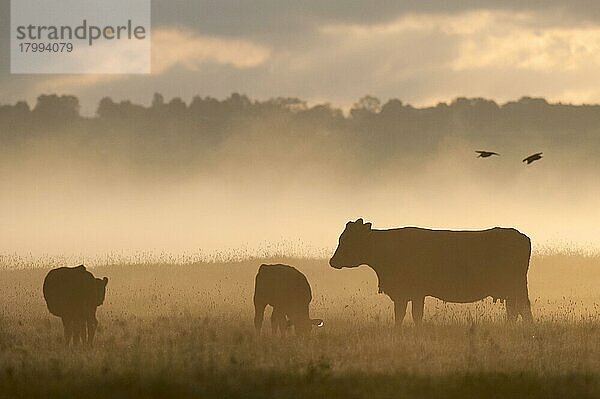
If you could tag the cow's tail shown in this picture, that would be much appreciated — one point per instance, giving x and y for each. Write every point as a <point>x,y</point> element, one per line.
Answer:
<point>53,295</point>
<point>518,303</point>
<point>259,302</point>
<point>525,304</point>
<point>527,251</point>
<point>55,305</point>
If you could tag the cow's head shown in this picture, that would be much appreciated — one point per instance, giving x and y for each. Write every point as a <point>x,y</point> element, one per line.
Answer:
<point>100,290</point>
<point>302,323</point>
<point>303,327</point>
<point>353,245</point>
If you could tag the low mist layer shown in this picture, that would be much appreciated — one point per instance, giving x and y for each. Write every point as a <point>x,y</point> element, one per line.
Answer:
<point>237,173</point>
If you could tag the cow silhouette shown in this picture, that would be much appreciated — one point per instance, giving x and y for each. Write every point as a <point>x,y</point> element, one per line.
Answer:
<point>454,266</point>
<point>287,290</point>
<point>73,294</point>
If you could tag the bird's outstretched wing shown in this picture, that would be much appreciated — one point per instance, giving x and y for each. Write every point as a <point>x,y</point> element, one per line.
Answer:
<point>533,157</point>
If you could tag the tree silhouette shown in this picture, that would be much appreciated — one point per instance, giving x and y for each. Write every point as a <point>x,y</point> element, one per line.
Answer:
<point>56,109</point>
<point>174,134</point>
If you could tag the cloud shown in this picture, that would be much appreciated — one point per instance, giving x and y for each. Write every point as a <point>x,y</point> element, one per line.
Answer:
<point>419,52</point>
<point>69,83</point>
<point>512,43</point>
<point>171,48</point>
<point>175,47</point>
<point>491,39</point>
<point>426,58</point>
<point>290,17</point>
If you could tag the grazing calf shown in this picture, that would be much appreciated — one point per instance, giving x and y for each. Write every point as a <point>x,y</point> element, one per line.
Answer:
<point>73,294</point>
<point>287,290</point>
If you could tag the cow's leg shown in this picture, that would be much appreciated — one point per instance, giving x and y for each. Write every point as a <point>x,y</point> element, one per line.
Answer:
<point>418,304</point>
<point>91,324</point>
<point>277,320</point>
<point>68,328</point>
<point>78,330</point>
<point>511,309</point>
<point>524,306</point>
<point>288,325</point>
<point>82,330</point>
<point>525,310</point>
<point>259,314</point>
<point>285,323</point>
<point>298,316</point>
<point>399,311</point>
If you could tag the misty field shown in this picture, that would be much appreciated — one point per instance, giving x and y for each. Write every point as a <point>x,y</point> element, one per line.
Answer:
<point>185,330</point>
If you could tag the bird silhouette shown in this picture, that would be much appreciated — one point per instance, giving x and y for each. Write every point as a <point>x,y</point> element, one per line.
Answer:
<point>485,154</point>
<point>533,158</point>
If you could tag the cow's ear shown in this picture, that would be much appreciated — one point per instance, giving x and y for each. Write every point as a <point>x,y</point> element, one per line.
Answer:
<point>105,279</point>
<point>368,225</point>
<point>359,221</point>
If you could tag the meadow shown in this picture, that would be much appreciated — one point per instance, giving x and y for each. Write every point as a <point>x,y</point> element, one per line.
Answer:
<point>184,330</point>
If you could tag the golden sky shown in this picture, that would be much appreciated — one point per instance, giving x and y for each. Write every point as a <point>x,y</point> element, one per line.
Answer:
<point>420,52</point>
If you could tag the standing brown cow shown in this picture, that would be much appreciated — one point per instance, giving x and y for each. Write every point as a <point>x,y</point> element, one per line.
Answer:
<point>454,266</point>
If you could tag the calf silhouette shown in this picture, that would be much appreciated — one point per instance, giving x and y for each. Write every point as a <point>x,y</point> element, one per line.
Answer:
<point>73,294</point>
<point>287,290</point>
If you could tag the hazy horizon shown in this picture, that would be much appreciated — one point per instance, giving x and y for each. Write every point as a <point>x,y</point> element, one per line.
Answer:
<point>209,170</point>
<point>217,175</point>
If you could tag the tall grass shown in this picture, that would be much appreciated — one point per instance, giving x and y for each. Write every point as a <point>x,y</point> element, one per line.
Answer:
<point>185,330</point>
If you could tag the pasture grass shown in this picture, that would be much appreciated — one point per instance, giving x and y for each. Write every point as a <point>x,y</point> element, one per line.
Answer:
<point>185,331</point>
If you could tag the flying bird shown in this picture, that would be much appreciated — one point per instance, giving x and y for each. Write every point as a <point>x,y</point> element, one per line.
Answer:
<point>485,154</point>
<point>533,158</point>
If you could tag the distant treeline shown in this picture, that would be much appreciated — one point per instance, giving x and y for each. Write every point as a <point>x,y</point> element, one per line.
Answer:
<point>174,132</point>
